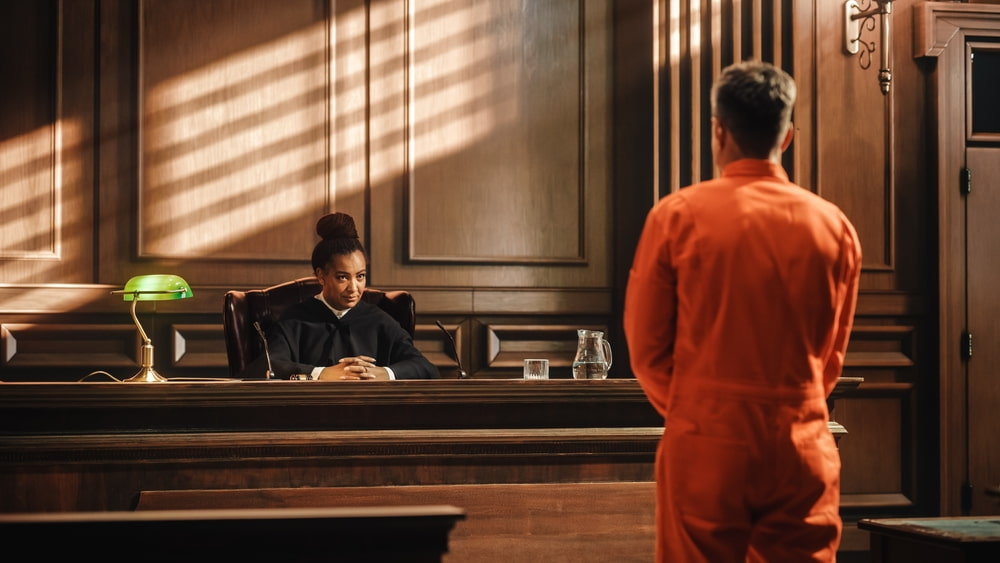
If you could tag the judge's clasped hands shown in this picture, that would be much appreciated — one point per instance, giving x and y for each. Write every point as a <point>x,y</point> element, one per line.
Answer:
<point>355,368</point>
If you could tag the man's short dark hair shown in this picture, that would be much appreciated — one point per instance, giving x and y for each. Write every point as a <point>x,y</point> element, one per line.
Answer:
<point>754,101</point>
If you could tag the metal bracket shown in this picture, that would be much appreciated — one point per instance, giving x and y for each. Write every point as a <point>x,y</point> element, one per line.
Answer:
<point>852,27</point>
<point>857,20</point>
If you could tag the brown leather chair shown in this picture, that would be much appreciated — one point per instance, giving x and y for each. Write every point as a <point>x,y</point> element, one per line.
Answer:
<point>242,308</point>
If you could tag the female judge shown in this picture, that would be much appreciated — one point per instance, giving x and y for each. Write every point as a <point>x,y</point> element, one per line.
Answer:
<point>336,335</point>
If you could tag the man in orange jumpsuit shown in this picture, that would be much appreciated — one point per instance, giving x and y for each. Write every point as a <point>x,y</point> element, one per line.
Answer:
<point>738,309</point>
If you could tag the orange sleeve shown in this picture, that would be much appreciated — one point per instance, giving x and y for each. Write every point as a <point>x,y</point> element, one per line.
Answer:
<point>650,310</point>
<point>849,284</point>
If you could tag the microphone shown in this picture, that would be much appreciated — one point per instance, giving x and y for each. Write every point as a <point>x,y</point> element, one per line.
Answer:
<point>454,350</point>
<point>269,373</point>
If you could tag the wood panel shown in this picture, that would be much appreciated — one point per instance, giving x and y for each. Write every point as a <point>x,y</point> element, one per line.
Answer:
<point>636,118</point>
<point>40,342</point>
<point>491,146</point>
<point>47,143</point>
<point>188,335</point>
<point>226,405</point>
<point>488,86</point>
<point>55,345</point>
<point>234,104</point>
<point>883,457</point>
<point>215,160</point>
<point>884,411</point>
<point>595,522</point>
<point>507,345</point>
<point>694,40</point>
<point>881,346</point>
<point>983,424</point>
<point>30,228</point>
<point>854,167</point>
<point>197,345</point>
<point>881,419</point>
<point>44,473</point>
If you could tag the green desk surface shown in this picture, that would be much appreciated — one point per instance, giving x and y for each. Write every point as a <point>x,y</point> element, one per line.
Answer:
<point>957,529</point>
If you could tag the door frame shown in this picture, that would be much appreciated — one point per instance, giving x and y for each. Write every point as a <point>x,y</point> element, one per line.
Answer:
<point>940,32</point>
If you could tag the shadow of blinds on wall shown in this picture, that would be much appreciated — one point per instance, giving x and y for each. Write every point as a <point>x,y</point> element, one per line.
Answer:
<point>695,39</point>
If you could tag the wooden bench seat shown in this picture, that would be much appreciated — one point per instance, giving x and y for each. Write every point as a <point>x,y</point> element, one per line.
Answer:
<point>579,522</point>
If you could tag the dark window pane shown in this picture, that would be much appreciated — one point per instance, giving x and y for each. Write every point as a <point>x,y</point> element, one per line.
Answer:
<point>986,92</point>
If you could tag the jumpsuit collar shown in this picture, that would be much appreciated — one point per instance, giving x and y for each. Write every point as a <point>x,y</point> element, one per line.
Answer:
<point>755,167</point>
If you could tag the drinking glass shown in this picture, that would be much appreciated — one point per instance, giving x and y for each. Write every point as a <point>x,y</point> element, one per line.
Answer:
<point>536,368</point>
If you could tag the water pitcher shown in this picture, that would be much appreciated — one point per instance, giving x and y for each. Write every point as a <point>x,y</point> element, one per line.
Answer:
<point>593,355</point>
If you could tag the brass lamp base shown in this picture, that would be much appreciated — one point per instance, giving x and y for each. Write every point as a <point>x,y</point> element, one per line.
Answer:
<point>146,375</point>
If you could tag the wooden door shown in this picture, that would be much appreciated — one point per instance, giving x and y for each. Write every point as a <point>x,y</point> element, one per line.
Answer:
<point>968,236</point>
<point>983,367</point>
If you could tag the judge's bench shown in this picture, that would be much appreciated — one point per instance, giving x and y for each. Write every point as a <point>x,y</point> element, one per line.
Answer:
<point>538,467</point>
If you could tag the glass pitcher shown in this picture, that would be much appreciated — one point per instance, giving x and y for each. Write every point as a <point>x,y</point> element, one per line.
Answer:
<point>593,355</point>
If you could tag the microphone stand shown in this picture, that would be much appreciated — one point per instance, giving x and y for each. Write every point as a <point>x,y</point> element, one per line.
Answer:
<point>462,374</point>
<point>267,356</point>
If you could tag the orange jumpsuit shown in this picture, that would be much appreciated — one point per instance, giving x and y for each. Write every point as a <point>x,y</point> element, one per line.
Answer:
<point>738,309</point>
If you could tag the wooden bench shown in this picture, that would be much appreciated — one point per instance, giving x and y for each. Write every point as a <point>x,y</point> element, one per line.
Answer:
<point>579,522</point>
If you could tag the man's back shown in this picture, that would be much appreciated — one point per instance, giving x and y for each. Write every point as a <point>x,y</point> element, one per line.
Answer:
<point>738,309</point>
<point>761,266</point>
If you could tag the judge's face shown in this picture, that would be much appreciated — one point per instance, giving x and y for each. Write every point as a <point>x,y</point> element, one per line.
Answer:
<point>344,279</point>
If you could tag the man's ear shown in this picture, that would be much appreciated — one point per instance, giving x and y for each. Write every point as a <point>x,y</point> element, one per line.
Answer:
<point>718,133</point>
<point>788,136</point>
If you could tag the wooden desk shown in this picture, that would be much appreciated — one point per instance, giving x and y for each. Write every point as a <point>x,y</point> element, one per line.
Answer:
<point>402,533</point>
<point>270,406</point>
<point>530,458</point>
<point>973,539</point>
<point>95,446</point>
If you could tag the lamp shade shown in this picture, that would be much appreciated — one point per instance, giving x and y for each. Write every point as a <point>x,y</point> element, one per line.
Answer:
<point>156,287</point>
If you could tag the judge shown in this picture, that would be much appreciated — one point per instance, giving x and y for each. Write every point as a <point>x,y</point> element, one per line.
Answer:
<point>336,335</point>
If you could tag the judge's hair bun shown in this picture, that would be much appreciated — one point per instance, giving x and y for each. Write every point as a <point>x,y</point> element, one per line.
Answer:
<point>336,225</point>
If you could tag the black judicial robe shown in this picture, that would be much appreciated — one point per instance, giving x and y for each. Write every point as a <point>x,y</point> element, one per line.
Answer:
<point>310,335</point>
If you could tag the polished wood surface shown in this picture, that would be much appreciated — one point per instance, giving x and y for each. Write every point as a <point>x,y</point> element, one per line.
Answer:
<point>228,405</point>
<point>95,446</point>
<point>580,522</point>
<point>417,534</point>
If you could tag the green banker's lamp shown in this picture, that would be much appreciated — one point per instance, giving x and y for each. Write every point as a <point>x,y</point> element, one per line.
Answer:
<point>155,287</point>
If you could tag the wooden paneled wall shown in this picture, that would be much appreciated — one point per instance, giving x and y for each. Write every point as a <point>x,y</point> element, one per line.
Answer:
<point>471,144</point>
<point>694,40</point>
<point>498,156</point>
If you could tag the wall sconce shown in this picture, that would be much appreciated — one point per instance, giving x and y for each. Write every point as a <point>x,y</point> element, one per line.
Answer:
<point>857,20</point>
<point>155,287</point>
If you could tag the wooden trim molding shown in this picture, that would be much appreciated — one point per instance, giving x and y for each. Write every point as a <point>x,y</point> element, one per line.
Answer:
<point>483,446</point>
<point>935,24</point>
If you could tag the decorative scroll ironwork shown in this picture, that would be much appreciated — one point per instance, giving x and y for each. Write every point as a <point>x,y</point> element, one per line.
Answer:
<point>859,17</point>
